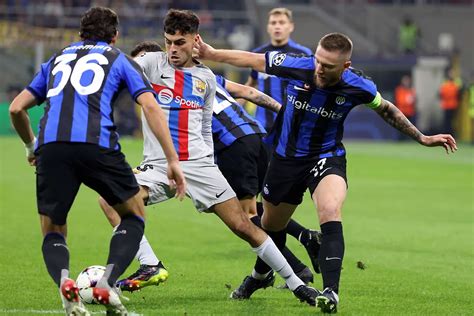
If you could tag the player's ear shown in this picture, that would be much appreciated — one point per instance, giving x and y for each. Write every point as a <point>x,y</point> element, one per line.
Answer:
<point>347,64</point>
<point>292,27</point>
<point>114,39</point>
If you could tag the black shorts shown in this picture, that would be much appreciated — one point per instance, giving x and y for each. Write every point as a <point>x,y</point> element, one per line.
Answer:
<point>244,164</point>
<point>288,178</point>
<point>62,167</point>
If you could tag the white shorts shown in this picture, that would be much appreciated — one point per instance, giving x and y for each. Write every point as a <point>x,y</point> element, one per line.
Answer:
<point>206,184</point>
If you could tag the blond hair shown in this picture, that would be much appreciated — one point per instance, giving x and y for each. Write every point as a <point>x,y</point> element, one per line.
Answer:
<point>284,11</point>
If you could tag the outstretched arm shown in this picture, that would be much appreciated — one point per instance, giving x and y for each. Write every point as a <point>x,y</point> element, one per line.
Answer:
<point>238,90</point>
<point>393,116</point>
<point>238,58</point>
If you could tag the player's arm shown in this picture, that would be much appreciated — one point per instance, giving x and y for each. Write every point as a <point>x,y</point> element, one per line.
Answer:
<point>159,126</point>
<point>238,58</point>
<point>393,116</point>
<point>253,95</point>
<point>21,121</point>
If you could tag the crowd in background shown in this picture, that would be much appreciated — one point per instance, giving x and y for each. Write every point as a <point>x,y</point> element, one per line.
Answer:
<point>233,29</point>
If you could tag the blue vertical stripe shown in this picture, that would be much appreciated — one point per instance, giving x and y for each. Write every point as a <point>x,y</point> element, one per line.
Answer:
<point>307,125</point>
<point>285,131</point>
<point>109,89</point>
<point>188,86</point>
<point>173,121</point>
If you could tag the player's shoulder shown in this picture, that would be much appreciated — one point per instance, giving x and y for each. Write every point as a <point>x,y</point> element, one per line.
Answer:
<point>150,57</point>
<point>298,48</point>
<point>358,85</point>
<point>204,72</point>
<point>292,60</point>
<point>358,79</point>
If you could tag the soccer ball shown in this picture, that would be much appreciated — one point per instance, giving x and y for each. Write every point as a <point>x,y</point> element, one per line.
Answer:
<point>86,280</point>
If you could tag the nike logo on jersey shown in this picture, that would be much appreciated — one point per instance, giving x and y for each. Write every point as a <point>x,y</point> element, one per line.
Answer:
<point>300,89</point>
<point>332,258</point>
<point>164,77</point>
<point>220,194</point>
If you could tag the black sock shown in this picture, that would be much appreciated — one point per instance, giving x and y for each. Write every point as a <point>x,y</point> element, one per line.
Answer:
<point>56,255</point>
<point>293,261</point>
<point>294,229</point>
<point>279,238</point>
<point>124,245</point>
<point>331,254</point>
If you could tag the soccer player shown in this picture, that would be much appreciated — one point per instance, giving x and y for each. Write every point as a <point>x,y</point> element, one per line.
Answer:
<point>309,153</point>
<point>186,91</point>
<point>239,153</point>
<point>77,143</point>
<point>279,27</point>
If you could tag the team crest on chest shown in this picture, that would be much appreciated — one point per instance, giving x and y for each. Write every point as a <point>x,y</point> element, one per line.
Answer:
<point>199,86</point>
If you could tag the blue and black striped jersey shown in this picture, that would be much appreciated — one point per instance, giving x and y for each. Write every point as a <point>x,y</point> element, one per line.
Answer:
<point>80,84</point>
<point>229,120</point>
<point>271,85</point>
<point>311,122</point>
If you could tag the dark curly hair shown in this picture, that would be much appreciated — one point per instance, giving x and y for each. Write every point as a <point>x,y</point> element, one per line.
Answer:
<point>182,21</point>
<point>99,24</point>
<point>146,46</point>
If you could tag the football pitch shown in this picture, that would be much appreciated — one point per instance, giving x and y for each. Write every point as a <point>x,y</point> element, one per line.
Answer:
<point>408,218</point>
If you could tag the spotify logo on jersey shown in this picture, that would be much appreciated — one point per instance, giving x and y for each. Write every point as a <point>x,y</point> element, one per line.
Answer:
<point>165,96</point>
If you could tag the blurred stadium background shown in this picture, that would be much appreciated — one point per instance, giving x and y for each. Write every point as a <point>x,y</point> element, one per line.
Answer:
<point>31,30</point>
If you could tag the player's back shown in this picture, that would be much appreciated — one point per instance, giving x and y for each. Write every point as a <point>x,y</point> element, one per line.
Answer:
<point>230,121</point>
<point>80,84</point>
<point>186,96</point>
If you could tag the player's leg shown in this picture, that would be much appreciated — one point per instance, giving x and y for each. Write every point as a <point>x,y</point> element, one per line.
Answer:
<point>107,172</point>
<point>145,254</point>
<point>233,216</point>
<point>309,238</point>
<point>151,270</point>
<point>209,190</point>
<point>329,192</point>
<point>56,188</point>
<point>244,164</point>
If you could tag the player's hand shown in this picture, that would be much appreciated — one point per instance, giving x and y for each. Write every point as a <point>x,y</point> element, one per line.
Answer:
<point>445,140</point>
<point>176,179</point>
<point>202,50</point>
<point>31,160</point>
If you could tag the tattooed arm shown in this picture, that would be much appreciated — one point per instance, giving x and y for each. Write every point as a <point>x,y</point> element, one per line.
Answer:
<point>393,116</point>
<point>238,90</point>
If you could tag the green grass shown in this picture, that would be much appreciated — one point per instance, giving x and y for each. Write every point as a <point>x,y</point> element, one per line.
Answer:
<point>408,216</point>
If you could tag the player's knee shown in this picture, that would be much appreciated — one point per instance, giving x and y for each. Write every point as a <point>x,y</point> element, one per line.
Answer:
<point>329,212</point>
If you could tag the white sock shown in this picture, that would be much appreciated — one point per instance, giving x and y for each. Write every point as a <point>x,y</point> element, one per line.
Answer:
<point>145,253</point>
<point>269,253</point>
